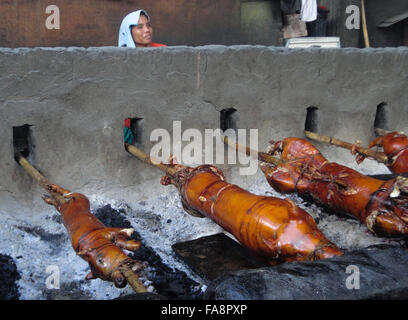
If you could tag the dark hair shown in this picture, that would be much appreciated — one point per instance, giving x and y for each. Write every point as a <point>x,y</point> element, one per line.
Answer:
<point>144,14</point>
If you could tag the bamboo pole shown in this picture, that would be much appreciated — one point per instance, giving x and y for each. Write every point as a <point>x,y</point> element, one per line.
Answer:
<point>261,156</point>
<point>379,156</point>
<point>167,168</point>
<point>132,279</point>
<point>43,181</point>
<point>364,20</point>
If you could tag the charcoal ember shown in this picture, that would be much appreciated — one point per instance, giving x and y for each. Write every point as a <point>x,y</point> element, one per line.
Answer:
<point>68,291</point>
<point>380,274</point>
<point>56,239</point>
<point>173,284</point>
<point>8,278</point>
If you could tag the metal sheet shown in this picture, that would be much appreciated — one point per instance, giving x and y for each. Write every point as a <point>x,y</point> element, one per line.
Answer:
<point>215,255</point>
<point>393,20</point>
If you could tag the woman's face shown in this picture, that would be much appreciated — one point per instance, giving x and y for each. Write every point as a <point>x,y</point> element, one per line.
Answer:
<point>142,33</point>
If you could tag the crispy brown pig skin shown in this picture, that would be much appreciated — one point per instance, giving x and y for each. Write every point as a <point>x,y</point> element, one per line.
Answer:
<point>273,228</point>
<point>100,246</point>
<point>395,146</point>
<point>382,206</point>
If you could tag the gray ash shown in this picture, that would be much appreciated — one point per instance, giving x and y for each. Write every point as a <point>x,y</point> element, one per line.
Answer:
<point>310,201</point>
<point>55,240</point>
<point>173,284</point>
<point>8,278</point>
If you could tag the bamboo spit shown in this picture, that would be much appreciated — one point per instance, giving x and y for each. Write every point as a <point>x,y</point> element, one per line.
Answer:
<point>261,156</point>
<point>379,156</point>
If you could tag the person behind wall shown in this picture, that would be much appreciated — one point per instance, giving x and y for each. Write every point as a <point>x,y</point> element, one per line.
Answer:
<point>308,14</point>
<point>136,31</point>
<point>307,10</point>
<point>304,18</point>
<point>293,26</point>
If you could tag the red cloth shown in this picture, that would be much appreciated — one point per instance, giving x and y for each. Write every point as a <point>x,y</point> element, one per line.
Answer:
<point>157,45</point>
<point>127,123</point>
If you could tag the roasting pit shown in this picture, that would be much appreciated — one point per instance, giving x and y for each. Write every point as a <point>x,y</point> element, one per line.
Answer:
<point>29,246</point>
<point>76,100</point>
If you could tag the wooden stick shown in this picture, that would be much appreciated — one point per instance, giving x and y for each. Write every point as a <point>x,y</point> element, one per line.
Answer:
<point>43,181</point>
<point>132,279</point>
<point>379,156</point>
<point>261,156</point>
<point>364,20</point>
<point>167,168</point>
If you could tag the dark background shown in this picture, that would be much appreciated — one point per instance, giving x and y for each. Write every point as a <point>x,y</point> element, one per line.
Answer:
<point>185,22</point>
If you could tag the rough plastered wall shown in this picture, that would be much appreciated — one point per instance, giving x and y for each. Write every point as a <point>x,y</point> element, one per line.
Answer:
<point>76,99</point>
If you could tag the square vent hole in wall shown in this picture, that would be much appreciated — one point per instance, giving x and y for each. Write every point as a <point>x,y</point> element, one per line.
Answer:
<point>229,119</point>
<point>312,122</point>
<point>23,142</point>
<point>381,119</point>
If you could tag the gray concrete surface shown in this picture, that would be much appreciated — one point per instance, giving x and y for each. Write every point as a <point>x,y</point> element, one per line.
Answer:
<point>76,99</point>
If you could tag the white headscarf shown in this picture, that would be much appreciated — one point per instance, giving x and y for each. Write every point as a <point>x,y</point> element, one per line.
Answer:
<point>125,32</point>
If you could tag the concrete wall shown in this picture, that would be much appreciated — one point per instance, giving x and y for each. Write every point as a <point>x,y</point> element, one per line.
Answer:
<point>76,99</point>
